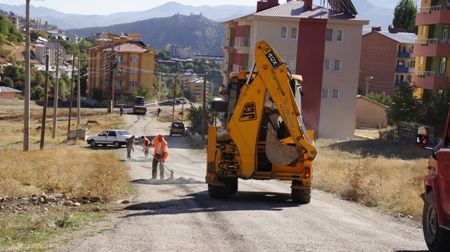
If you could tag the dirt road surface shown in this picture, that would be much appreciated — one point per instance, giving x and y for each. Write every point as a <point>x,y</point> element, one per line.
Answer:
<point>177,214</point>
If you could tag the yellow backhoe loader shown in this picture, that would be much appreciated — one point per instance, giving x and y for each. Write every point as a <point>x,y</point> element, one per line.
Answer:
<point>263,135</point>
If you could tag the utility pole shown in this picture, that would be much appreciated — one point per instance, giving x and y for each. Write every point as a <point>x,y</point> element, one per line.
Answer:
<point>204,106</point>
<point>56,93</point>
<point>111,77</point>
<point>44,113</point>
<point>79,92</point>
<point>71,95</point>
<point>368,79</point>
<point>174,94</point>
<point>26,115</point>
<point>182,103</point>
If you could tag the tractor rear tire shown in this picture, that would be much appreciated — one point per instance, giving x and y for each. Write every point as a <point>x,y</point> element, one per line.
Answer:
<point>300,194</point>
<point>217,192</point>
<point>436,238</point>
<point>230,188</point>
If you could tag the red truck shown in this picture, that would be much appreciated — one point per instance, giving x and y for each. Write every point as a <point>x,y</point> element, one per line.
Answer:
<point>436,197</point>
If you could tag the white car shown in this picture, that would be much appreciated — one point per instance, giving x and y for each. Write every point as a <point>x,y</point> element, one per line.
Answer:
<point>110,137</point>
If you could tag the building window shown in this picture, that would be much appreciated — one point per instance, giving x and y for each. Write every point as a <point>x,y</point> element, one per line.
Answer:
<point>335,93</point>
<point>337,65</point>
<point>324,93</point>
<point>284,32</point>
<point>134,58</point>
<point>443,67</point>
<point>134,70</point>
<point>117,84</point>
<point>294,32</point>
<point>329,35</point>
<point>133,84</point>
<point>119,59</point>
<point>340,35</point>
<point>326,64</point>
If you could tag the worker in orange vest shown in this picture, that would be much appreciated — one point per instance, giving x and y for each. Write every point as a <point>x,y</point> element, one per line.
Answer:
<point>146,146</point>
<point>160,155</point>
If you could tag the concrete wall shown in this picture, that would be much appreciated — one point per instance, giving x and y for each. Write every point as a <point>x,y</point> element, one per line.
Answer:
<point>370,113</point>
<point>337,116</point>
<point>7,95</point>
<point>270,31</point>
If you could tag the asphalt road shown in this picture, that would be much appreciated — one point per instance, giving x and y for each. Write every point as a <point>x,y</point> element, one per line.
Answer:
<point>177,214</point>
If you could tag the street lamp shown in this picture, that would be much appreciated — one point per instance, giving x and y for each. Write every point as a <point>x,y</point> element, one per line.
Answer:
<point>368,79</point>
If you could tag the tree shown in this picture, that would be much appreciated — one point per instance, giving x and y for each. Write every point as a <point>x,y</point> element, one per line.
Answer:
<point>405,15</point>
<point>435,107</point>
<point>38,78</point>
<point>405,107</point>
<point>8,82</point>
<point>37,93</point>
<point>382,98</point>
<point>13,72</point>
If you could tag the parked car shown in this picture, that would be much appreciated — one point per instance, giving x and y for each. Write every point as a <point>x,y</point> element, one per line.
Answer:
<point>182,100</point>
<point>117,138</point>
<point>177,128</point>
<point>166,103</point>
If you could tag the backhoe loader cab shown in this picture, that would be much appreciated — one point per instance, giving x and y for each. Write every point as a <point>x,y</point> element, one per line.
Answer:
<point>263,136</point>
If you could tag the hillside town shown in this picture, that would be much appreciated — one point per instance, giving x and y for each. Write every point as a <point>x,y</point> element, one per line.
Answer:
<point>295,125</point>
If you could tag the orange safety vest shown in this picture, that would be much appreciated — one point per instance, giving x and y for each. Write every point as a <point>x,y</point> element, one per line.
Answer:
<point>163,147</point>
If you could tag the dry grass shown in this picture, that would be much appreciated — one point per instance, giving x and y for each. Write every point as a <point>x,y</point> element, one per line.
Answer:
<point>11,123</point>
<point>391,184</point>
<point>74,172</point>
<point>42,231</point>
<point>166,114</point>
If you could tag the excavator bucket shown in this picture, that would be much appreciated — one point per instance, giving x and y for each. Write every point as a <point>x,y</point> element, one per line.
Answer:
<point>277,152</point>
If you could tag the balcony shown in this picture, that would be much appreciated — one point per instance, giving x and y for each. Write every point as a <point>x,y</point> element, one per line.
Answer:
<point>430,80</point>
<point>402,69</point>
<point>227,43</point>
<point>433,47</point>
<point>439,14</point>
<point>404,54</point>
<point>242,44</point>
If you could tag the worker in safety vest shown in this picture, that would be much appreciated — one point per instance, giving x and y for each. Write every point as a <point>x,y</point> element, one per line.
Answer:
<point>159,155</point>
<point>145,146</point>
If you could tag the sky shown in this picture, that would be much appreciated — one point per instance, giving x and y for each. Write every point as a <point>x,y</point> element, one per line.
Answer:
<point>104,7</point>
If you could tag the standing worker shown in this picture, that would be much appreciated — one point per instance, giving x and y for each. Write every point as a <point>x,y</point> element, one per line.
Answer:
<point>146,146</point>
<point>130,145</point>
<point>159,156</point>
<point>121,110</point>
<point>158,111</point>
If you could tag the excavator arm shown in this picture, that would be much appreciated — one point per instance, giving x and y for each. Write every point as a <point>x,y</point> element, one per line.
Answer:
<point>272,78</point>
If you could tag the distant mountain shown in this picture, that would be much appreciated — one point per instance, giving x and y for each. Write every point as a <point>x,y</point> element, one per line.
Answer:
<point>73,21</point>
<point>196,31</point>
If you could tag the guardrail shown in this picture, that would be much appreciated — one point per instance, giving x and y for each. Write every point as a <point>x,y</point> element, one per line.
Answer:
<point>424,74</point>
<point>433,41</point>
<point>430,9</point>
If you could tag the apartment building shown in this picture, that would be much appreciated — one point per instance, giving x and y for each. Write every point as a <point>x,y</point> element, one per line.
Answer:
<point>386,60</point>
<point>127,60</point>
<point>195,87</point>
<point>322,43</point>
<point>40,50</point>
<point>432,50</point>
